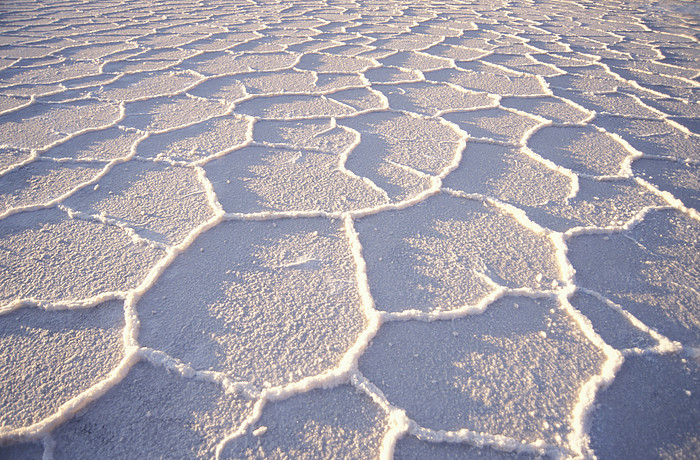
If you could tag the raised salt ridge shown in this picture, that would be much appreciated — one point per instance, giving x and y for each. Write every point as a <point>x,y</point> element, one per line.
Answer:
<point>349,229</point>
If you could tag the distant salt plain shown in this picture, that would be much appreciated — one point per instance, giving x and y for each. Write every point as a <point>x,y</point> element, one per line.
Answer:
<point>352,229</point>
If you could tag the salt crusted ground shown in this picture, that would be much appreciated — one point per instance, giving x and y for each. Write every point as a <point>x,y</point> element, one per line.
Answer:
<point>351,229</point>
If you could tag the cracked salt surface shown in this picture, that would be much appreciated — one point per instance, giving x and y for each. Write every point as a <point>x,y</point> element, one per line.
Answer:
<point>349,229</point>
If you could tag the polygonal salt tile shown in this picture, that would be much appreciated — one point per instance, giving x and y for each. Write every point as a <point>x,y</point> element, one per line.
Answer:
<point>437,29</point>
<point>494,124</point>
<point>103,145</point>
<point>321,134</point>
<point>566,60</point>
<point>590,79</point>
<point>619,104</point>
<point>474,39</point>
<point>226,63</point>
<point>507,174</point>
<point>294,107</point>
<point>408,42</point>
<point>654,137</point>
<point>334,423</point>
<point>666,84</point>
<point>229,88</point>
<point>295,81</point>
<point>49,357</point>
<point>616,330</point>
<point>522,63</point>
<point>42,181</point>
<point>220,41</point>
<point>582,149</point>
<point>41,124</point>
<point>374,27</point>
<point>360,99</point>
<point>490,79</point>
<point>347,50</point>
<point>260,45</point>
<point>146,85</point>
<point>392,75</point>
<point>324,63</point>
<point>159,201</point>
<point>398,152</point>
<point>417,61</point>
<point>557,110</point>
<point>277,303</point>
<point>456,52</point>
<point>164,113</point>
<point>681,179</point>
<point>411,448</point>
<point>92,51</point>
<point>452,244</point>
<point>328,82</point>
<point>433,99</point>
<point>135,65</point>
<point>515,370</point>
<point>650,271</point>
<point>256,179</point>
<point>10,156</point>
<point>48,256</point>
<point>596,204</point>
<point>49,73</point>
<point>152,413</point>
<point>197,142</point>
<point>673,107</point>
<point>11,102</point>
<point>651,410</point>
<point>164,40</point>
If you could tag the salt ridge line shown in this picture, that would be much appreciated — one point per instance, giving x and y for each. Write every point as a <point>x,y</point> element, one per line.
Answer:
<point>401,424</point>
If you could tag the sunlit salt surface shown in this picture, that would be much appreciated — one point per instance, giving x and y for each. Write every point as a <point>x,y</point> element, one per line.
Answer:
<point>352,229</point>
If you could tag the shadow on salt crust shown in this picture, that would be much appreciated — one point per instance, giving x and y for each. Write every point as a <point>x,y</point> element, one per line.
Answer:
<point>654,137</point>
<point>11,156</point>
<point>146,85</point>
<point>50,257</point>
<point>263,301</point>
<point>255,179</point>
<point>581,149</point>
<point>168,112</point>
<point>616,330</point>
<point>431,99</point>
<point>494,124</point>
<point>40,182</point>
<point>104,145</point>
<point>681,179</point>
<point>197,142</point>
<point>27,451</point>
<point>479,77</point>
<point>320,134</point>
<point>653,409</point>
<point>551,108</point>
<point>448,252</point>
<point>515,370</point>
<point>650,271</point>
<point>333,423</point>
<point>399,152</point>
<point>152,414</point>
<point>49,357</point>
<point>43,124</point>
<point>160,202</point>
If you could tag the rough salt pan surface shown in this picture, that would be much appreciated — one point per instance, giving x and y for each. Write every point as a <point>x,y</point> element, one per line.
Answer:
<point>349,229</point>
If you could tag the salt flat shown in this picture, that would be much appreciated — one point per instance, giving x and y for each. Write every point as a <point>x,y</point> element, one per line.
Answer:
<point>349,229</point>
